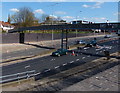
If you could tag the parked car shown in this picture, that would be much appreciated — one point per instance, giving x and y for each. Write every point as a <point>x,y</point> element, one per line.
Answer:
<point>60,52</point>
<point>107,36</point>
<point>80,42</point>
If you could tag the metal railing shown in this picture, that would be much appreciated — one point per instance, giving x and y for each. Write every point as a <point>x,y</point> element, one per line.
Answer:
<point>17,76</point>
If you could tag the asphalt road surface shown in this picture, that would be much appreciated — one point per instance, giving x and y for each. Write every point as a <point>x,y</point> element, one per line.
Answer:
<point>44,64</point>
<point>38,49</point>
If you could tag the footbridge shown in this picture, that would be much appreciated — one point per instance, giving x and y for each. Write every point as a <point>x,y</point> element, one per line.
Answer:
<point>65,28</point>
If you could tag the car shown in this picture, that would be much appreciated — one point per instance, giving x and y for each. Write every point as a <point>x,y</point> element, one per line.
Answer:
<point>80,42</point>
<point>107,36</point>
<point>60,52</point>
<point>91,43</point>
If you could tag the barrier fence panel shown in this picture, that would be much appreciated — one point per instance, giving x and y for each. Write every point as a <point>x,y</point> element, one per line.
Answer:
<point>17,76</point>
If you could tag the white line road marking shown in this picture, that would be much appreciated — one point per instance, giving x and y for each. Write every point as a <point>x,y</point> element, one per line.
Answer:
<point>52,59</point>
<point>27,66</point>
<point>37,73</point>
<point>77,59</point>
<point>64,64</point>
<point>86,48</point>
<point>57,67</point>
<point>83,57</point>
<point>47,70</point>
<point>71,62</point>
<point>98,49</point>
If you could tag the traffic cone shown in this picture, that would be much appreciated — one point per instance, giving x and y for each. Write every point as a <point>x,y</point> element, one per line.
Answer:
<point>73,53</point>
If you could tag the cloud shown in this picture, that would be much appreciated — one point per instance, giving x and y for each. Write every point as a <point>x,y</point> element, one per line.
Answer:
<point>96,5</point>
<point>96,19</point>
<point>14,10</point>
<point>85,6</point>
<point>68,17</point>
<point>53,16</point>
<point>117,13</point>
<point>60,12</point>
<point>40,11</point>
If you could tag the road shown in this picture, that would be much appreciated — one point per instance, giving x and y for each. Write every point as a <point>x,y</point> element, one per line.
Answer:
<point>47,63</point>
<point>38,49</point>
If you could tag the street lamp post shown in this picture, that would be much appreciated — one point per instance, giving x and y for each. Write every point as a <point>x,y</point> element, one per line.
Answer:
<point>107,24</point>
<point>52,23</point>
<point>52,30</point>
<point>76,29</point>
<point>76,23</point>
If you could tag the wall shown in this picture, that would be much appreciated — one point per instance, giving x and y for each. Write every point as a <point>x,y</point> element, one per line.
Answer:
<point>34,37</point>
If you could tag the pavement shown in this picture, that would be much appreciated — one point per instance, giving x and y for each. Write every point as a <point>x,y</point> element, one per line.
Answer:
<point>104,81</point>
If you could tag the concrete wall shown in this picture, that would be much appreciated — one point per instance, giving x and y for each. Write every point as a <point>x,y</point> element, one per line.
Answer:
<point>35,37</point>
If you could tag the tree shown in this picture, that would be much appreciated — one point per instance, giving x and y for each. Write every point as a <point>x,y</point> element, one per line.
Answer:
<point>24,18</point>
<point>43,17</point>
<point>9,19</point>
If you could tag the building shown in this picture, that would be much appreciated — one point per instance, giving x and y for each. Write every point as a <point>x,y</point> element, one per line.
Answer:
<point>53,22</point>
<point>80,22</point>
<point>5,26</point>
<point>50,20</point>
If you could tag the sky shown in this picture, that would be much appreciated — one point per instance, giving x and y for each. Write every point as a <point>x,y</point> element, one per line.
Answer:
<point>92,10</point>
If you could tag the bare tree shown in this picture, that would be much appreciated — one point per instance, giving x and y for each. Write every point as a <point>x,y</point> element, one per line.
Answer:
<point>24,18</point>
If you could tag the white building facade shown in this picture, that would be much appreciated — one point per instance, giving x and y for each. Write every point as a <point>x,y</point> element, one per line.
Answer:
<point>5,26</point>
